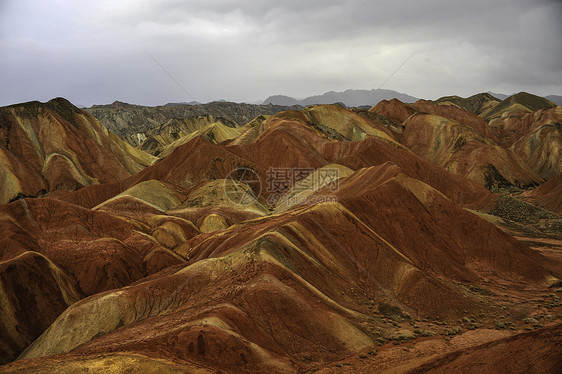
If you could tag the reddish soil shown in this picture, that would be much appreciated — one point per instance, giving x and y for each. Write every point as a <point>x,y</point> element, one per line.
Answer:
<point>397,265</point>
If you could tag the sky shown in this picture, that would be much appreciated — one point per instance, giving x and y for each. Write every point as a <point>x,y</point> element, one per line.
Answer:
<point>155,52</point>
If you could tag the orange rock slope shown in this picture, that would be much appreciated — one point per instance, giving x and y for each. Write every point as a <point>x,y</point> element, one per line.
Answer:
<point>515,142</point>
<point>55,146</point>
<point>169,269</point>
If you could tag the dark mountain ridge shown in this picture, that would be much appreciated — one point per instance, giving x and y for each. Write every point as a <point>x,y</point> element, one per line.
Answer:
<point>351,98</point>
<point>128,120</point>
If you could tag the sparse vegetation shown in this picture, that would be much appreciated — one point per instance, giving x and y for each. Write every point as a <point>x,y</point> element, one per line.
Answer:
<point>392,312</point>
<point>494,180</point>
<point>421,332</point>
<point>402,337</point>
<point>501,325</point>
<point>514,209</point>
<point>552,302</point>
<point>454,330</point>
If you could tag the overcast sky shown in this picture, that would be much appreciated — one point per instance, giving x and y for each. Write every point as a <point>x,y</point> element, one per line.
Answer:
<point>95,52</point>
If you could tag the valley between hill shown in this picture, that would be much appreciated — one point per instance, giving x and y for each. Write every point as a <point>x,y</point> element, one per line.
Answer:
<point>422,237</point>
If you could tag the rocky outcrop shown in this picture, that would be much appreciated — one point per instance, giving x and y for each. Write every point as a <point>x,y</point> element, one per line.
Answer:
<point>132,122</point>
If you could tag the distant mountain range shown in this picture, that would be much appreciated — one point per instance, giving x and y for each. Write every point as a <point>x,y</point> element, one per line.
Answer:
<point>350,98</point>
<point>554,98</point>
<point>498,95</point>
<point>183,103</point>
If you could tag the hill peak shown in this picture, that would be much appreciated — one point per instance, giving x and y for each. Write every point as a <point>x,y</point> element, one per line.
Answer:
<point>530,101</point>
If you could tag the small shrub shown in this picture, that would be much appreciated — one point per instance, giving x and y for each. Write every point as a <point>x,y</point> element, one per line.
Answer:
<point>501,325</point>
<point>453,331</point>
<point>381,341</point>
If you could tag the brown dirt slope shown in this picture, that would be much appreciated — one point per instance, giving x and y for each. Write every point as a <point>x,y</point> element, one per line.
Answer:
<point>541,147</point>
<point>54,253</point>
<point>531,352</point>
<point>163,269</point>
<point>548,195</point>
<point>520,146</point>
<point>460,149</point>
<point>248,301</point>
<point>52,146</point>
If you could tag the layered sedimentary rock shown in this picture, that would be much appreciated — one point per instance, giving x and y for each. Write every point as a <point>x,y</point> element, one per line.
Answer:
<point>45,147</point>
<point>221,257</point>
